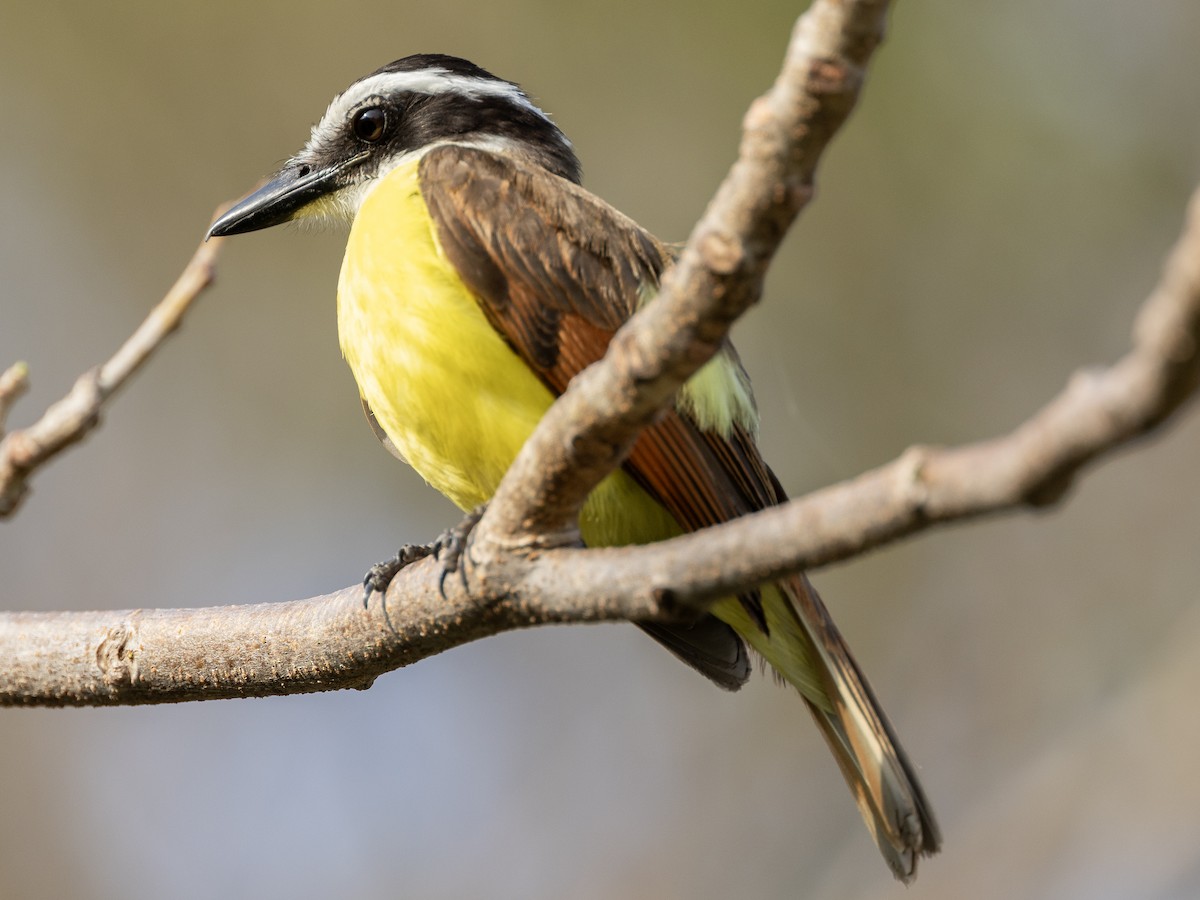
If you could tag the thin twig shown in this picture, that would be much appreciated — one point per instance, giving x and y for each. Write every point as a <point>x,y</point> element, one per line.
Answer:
<point>14,382</point>
<point>70,420</point>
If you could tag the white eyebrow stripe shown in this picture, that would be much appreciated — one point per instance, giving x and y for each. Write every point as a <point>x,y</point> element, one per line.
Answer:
<point>422,81</point>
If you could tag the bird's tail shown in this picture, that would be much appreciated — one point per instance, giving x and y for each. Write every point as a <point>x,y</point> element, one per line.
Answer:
<point>805,648</point>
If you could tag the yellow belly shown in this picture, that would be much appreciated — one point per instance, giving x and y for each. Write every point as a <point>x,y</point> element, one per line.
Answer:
<point>456,401</point>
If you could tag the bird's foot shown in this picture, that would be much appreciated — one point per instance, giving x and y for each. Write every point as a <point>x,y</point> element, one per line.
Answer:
<point>448,548</point>
<point>452,546</point>
<point>380,575</point>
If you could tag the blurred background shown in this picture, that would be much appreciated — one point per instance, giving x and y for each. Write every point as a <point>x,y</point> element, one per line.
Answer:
<point>988,221</point>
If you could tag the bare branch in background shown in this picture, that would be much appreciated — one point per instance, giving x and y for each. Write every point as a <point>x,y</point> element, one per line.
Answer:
<point>70,420</point>
<point>14,382</point>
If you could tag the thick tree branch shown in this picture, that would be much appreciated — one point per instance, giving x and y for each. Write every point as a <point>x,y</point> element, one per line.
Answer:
<point>73,417</point>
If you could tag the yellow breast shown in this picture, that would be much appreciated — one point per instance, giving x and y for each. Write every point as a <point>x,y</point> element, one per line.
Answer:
<point>452,396</point>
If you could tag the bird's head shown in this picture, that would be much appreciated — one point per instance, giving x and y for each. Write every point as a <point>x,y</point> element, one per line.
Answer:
<point>390,117</point>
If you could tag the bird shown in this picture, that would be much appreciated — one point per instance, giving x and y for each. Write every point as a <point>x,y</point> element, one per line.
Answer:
<point>479,278</point>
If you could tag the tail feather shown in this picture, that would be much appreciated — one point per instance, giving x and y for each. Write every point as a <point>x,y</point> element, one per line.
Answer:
<point>804,646</point>
<point>709,646</point>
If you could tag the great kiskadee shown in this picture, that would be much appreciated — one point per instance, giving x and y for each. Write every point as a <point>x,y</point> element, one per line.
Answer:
<point>479,278</point>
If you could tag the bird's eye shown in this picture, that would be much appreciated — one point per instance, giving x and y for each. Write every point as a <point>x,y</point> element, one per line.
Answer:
<point>369,124</point>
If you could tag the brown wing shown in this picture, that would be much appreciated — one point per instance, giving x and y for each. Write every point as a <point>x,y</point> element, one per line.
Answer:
<point>557,271</point>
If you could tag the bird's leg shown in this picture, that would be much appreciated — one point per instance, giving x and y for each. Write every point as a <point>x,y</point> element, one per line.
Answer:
<point>448,549</point>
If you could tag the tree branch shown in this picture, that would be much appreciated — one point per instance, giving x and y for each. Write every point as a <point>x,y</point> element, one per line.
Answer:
<point>718,277</point>
<point>1098,412</point>
<point>73,417</point>
<point>14,382</point>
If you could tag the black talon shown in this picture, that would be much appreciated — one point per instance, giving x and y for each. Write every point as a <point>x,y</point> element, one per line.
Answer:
<point>380,575</point>
<point>455,544</point>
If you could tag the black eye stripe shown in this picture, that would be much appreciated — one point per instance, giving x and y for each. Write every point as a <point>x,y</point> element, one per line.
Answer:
<point>369,124</point>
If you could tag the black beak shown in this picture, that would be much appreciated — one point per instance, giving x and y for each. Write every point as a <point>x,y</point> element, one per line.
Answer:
<point>278,201</point>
